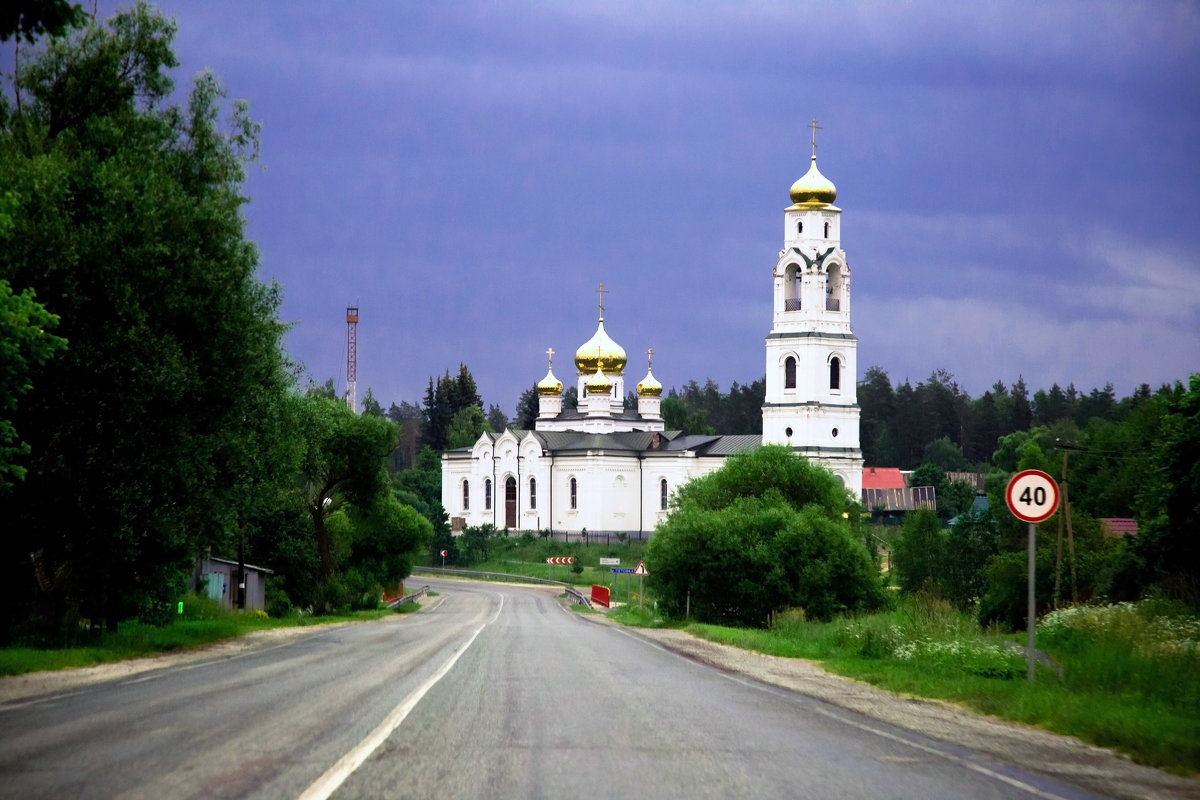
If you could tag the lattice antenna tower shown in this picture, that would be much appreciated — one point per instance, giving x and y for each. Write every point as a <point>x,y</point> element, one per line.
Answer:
<point>352,358</point>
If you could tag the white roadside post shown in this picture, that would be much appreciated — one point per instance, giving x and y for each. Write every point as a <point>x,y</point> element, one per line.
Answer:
<point>1032,497</point>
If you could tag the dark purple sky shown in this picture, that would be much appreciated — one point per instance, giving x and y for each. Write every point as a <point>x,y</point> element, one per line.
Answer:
<point>1020,182</point>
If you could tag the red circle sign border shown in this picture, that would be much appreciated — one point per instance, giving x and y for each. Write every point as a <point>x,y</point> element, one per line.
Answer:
<point>1012,507</point>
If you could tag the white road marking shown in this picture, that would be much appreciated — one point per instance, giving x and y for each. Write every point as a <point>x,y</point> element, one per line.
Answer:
<point>336,775</point>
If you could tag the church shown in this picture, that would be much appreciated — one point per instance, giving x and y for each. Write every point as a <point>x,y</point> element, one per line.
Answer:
<point>605,469</point>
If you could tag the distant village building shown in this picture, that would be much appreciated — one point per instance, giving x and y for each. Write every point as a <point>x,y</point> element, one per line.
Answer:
<point>605,469</point>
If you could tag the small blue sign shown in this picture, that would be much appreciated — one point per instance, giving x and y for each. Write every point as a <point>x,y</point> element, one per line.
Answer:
<point>622,570</point>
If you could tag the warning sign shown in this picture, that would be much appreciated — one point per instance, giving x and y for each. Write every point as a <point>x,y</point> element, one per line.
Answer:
<point>640,569</point>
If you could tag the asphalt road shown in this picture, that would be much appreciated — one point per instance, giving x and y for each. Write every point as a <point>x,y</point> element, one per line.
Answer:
<point>489,691</point>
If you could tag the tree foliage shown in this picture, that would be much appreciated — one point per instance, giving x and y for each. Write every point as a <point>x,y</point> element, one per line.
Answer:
<point>762,533</point>
<point>128,228</point>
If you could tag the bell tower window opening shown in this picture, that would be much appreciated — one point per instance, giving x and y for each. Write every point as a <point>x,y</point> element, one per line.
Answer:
<point>800,227</point>
<point>826,230</point>
<point>791,301</point>
<point>835,373</point>
<point>833,288</point>
<point>574,495</point>
<point>789,373</point>
<point>533,493</point>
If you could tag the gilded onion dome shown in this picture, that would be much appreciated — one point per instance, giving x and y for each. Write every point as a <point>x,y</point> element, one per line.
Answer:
<point>648,386</point>
<point>600,348</point>
<point>814,189</point>
<point>549,386</point>
<point>599,383</point>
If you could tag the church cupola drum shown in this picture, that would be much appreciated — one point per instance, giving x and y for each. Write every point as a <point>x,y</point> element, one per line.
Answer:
<point>811,402</point>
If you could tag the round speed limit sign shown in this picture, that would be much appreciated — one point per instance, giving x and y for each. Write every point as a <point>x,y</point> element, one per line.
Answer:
<point>1032,496</point>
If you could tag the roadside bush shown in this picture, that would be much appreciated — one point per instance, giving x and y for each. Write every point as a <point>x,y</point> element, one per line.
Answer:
<point>277,602</point>
<point>763,533</point>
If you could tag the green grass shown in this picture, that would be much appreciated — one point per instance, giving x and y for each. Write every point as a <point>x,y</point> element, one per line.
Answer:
<point>203,622</point>
<point>1130,675</point>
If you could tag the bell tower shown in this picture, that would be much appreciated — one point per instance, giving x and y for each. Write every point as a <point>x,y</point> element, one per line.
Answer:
<point>811,401</point>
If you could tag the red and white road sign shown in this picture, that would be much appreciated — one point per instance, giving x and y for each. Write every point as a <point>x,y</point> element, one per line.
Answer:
<point>640,569</point>
<point>1032,496</point>
<point>445,553</point>
<point>560,560</point>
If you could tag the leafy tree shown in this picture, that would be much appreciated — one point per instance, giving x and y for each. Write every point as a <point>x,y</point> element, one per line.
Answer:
<point>877,422</point>
<point>944,454</point>
<point>970,544</point>
<point>409,417</point>
<point>25,344</point>
<point>129,230</point>
<point>762,533</point>
<point>29,19</point>
<point>342,465</point>
<point>919,557</point>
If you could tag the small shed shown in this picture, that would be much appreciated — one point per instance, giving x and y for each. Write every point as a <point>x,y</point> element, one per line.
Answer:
<point>217,577</point>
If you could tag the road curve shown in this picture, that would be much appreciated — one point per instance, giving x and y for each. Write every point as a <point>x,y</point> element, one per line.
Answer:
<point>489,691</point>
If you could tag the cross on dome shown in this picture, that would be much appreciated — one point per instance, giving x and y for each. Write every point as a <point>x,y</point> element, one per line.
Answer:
<point>815,127</point>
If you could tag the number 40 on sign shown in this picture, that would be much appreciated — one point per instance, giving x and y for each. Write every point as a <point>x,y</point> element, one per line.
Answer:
<point>1032,496</point>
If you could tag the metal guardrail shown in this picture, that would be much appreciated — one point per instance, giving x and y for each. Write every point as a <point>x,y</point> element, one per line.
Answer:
<point>409,598</point>
<point>576,596</point>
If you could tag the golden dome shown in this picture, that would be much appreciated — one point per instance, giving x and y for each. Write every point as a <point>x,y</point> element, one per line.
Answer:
<point>600,348</point>
<point>549,386</point>
<point>814,189</point>
<point>599,383</point>
<point>649,387</point>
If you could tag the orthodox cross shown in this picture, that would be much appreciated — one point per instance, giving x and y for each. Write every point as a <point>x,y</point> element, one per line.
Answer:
<point>602,291</point>
<point>815,127</point>
<point>550,357</point>
<point>649,359</point>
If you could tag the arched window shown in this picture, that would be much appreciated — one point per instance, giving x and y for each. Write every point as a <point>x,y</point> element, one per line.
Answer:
<point>789,373</point>
<point>466,496</point>
<point>662,494</point>
<point>826,230</point>
<point>574,495</point>
<point>791,291</point>
<point>487,494</point>
<point>799,227</point>
<point>833,288</point>
<point>835,373</point>
<point>533,492</point>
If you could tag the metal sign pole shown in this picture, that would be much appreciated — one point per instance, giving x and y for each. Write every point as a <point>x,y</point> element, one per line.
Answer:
<point>1032,623</point>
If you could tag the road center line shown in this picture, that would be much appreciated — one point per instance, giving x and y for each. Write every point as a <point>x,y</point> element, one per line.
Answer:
<point>336,775</point>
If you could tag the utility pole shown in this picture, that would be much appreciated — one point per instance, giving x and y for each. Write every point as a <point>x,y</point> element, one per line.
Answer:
<point>1065,515</point>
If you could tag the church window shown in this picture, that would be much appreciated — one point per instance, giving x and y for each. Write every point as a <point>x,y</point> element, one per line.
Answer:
<point>487,494</point>
<point>835,433</point>
<point>574,495</point>
<point>789,373</point>
<point>826,230</point>
<point>787,432</point>
<point>466,496</point>
<point>662,494</point>
<point>799,227</point>
<point>835,373</point>
<point>533,493</point>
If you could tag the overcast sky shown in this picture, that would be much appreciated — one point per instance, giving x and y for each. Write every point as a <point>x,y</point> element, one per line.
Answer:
<point>1020,182</point>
